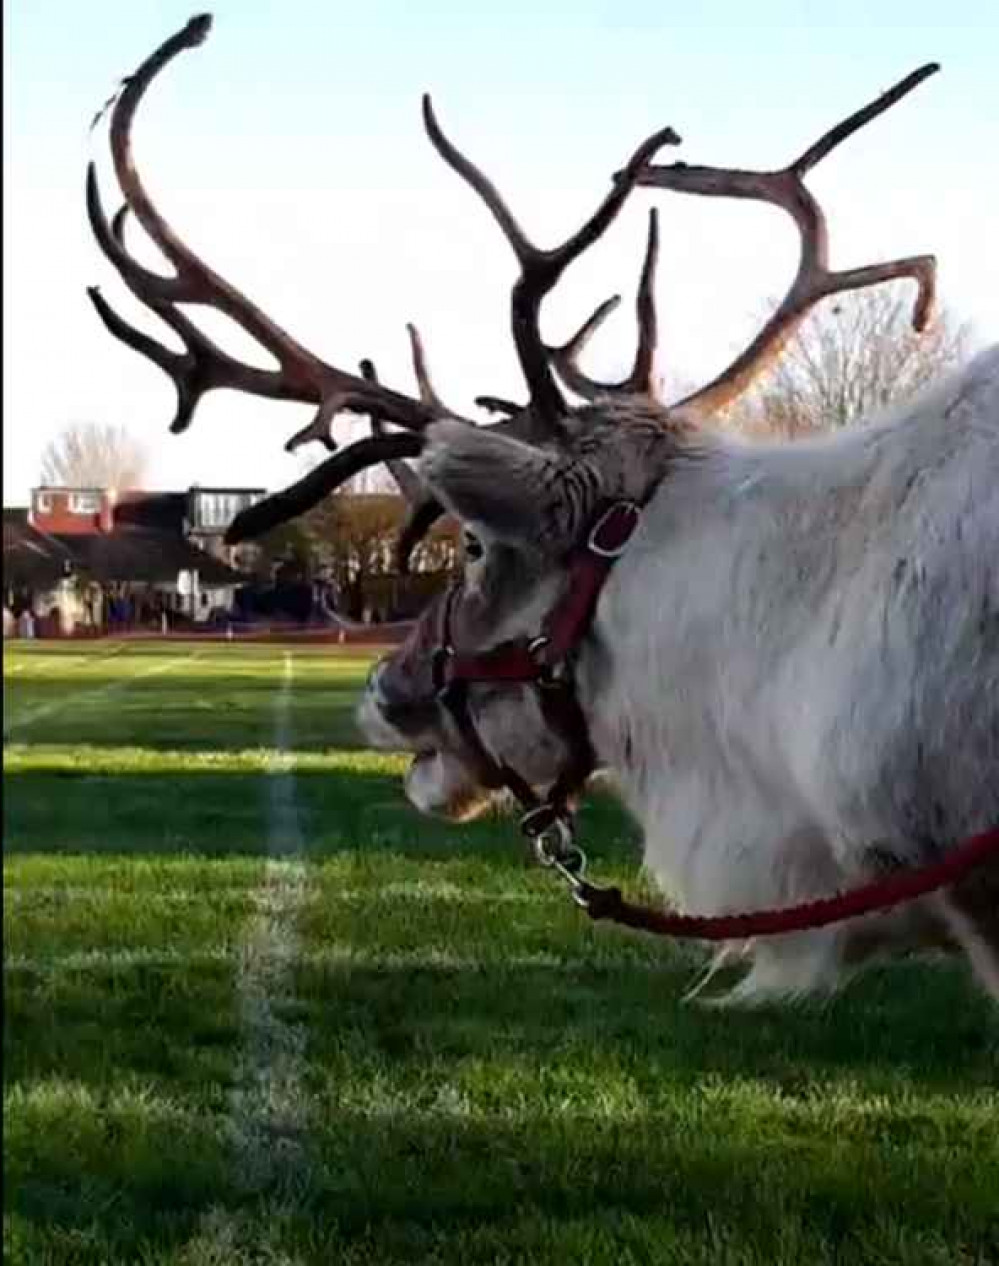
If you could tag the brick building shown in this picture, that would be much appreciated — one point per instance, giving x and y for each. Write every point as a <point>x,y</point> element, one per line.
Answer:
<point>89,558</point>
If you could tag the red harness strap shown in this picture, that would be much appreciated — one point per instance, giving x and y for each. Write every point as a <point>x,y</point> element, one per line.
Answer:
<point>572,616</point>
<point>529,659</point>
<point>881,894</point>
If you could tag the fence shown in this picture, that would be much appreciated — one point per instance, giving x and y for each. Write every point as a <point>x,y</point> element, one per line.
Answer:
<point>341,634</point>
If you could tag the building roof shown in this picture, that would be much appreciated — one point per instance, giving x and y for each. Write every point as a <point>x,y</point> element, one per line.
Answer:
<point>227,488</point>
<point>69,488</point>
<point>170,511</point>
<point>146,556</point>
<point>150,555</point>
<point>31,558</point>
<point>165,511</point>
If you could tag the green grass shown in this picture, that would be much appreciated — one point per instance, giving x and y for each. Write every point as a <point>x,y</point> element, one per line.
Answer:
<point>456,1066</point>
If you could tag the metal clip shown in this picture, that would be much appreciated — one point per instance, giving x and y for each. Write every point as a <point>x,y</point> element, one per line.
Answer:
<point>555,847</point>
<point>571,868</point>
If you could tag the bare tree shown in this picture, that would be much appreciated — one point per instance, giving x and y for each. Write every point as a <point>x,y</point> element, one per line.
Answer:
<point>289,543</point>
<point>353,537</point>
<point>847,361</point>
<point>92,455</point>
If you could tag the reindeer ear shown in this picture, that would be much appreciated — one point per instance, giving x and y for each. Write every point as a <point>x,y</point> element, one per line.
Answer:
<point>506,489</point>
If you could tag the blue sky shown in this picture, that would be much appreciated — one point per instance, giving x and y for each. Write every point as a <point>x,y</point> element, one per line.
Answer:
<point>288,150</point>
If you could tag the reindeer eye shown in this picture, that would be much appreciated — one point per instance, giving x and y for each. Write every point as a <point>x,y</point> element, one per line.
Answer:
<point>473,547</point>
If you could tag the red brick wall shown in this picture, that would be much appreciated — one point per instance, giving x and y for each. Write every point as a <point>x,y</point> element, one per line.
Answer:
<point>52,510</point>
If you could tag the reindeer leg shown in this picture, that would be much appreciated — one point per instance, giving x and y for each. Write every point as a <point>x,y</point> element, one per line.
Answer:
<point>971,910</point>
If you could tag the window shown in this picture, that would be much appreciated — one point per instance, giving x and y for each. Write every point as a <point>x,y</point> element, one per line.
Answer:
<point>214,510</point>
<point>43,502</point>
<point>84,502</point>
<point>209,509</point>
<point>218,509</point>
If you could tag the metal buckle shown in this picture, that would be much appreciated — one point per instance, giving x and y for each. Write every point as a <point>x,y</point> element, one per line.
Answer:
<point>549,676</point>
<point>613,551</point>
<point>536,645</point>
<point>538,822</point>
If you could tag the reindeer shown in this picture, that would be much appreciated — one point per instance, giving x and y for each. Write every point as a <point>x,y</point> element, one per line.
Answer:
<point>791,673</point>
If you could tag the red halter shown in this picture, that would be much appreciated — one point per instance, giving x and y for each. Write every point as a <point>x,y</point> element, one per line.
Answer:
<point>534,659</point>
<point>545,662</point>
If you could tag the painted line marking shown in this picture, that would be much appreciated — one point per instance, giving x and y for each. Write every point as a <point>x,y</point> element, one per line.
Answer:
<point>268,1114</point>
<point>32,715</point>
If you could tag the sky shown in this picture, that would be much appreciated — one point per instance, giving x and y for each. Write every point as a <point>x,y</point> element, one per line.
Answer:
<point>288,151</point>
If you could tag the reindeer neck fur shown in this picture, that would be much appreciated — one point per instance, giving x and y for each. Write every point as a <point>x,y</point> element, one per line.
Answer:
<point>777,676</point>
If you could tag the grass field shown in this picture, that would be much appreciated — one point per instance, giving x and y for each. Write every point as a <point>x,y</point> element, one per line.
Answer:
<point>256,1010</point>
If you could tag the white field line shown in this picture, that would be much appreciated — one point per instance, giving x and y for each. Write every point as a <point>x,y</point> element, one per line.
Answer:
<point>442,893</point>
<point>111,960</point>
<point>41,667</point>
<point>75,662</point>
<point>32,715</point>
<point>268,1114</point>
<point>337,956</point>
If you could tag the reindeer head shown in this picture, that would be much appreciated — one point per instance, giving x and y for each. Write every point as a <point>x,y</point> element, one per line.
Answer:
<point>526,488</point>
<point>525,508</point>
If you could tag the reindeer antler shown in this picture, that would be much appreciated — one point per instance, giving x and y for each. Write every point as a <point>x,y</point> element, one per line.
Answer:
<point>540,269</point>
<point>204,366</point>
<point>424,508</point>
<point>814,279</point>
<point>301,375</point>
<point>499,404</point>
<point>640,380</point>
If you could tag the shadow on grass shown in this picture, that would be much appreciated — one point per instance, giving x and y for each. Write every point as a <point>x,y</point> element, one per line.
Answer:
<point>898,1028</point>
<point>174,1026</point>
<point>83,810</point>
<point>411,1186</point>
<point>601,1009</point>
<point>221,711</point>
<point>508,1102</point>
